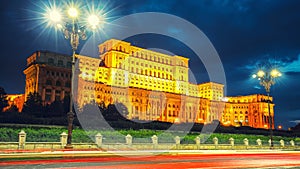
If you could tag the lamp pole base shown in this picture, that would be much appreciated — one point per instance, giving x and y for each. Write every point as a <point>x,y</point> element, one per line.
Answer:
<point>69,146</point>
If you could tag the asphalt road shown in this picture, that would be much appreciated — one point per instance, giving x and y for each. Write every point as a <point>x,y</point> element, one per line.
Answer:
<point>168,161</point>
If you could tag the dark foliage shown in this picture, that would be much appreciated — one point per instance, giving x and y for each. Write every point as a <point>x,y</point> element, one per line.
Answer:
<point>33,106</point>
<point>296,128</point>
<point>115,116</point>
<point>3,99</point>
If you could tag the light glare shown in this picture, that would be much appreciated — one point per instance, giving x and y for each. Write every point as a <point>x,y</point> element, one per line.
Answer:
<point>54,16</point>
<point>72,12</point>
<point>275,73</point>
<point>260,73</point>
<point>59,26</point>
<point>254,76</point>
<point>93,20</point>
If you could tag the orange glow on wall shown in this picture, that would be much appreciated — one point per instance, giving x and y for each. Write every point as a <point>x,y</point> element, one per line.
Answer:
<point>155,86</point>
<point>152,85</point>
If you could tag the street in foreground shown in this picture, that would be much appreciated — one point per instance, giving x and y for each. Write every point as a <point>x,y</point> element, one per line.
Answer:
<point>186,159</point>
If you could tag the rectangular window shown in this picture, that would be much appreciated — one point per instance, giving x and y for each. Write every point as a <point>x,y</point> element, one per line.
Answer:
<point>48,97</point>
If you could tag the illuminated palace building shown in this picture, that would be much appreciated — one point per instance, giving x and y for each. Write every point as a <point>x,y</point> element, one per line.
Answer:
<point>48,74</point>
<point>152,85</point>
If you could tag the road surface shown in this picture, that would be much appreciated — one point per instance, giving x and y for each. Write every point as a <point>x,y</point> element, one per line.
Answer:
<point>167,161</point>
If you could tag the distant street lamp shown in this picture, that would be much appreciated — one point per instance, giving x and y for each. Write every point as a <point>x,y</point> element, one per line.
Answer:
<point>74,29</point>
<point>267,80</point>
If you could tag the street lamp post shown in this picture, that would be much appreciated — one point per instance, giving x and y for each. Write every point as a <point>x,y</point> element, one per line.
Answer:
<point>267,80</point>
<point>73,30</point>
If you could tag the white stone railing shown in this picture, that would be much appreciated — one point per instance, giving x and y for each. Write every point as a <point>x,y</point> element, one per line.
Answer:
<point>154,144</point>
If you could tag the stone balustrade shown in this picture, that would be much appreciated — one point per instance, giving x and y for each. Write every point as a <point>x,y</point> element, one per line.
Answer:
<point>153,143</point>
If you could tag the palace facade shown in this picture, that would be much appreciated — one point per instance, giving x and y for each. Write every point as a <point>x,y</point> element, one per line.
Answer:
<point>152,85</point>
<point>48,74</point>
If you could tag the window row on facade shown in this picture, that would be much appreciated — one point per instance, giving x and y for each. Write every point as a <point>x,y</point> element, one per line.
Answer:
<point>58,74</point>
<point>58,83</point>
<point>59,63</point>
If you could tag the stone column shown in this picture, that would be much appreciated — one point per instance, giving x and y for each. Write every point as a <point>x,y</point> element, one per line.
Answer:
<point>63,139</point>
<point>98,139</point>
<point>22,139</point>
<point>62,95</point>
<point>52,95</point>
<point>128,139</point>
<point>43,95</point>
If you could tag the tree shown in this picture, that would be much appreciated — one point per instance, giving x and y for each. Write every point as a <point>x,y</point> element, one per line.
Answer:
<point>56,109</point>
<point>12,109</point>
<point>122,109</point>
<point>33,105</point>
<point>296,128</point>
<point>115,112</point>
<point>66,103</point>
<point>3,99</point>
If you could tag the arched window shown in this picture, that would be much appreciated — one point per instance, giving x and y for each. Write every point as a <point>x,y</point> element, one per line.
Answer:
<point>60,63</point>
<point>69,64</point>
<point>58,83</point>
<point>48,82</point>
<point>67,84</point>
<point>51,61</point>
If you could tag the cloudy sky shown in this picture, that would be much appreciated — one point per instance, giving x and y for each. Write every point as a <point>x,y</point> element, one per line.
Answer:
<point>246,34</point>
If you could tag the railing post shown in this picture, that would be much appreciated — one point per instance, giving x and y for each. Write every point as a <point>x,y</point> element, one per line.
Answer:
<point>246,142</point>
<point>270,143</point>
<point>63,139</point>
<point>281,143</point>
<point>22,139</point>
<point>258,141</point>
<point>292,143</point>
<point>154,141</point>
<point>198,141</point>
<point>177,141</point>
<point>128,139</point>
<point>98,139</point>
<point>216,141</point>
<point>231,142</point>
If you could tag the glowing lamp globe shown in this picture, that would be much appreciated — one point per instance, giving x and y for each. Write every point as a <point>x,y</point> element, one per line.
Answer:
<point>93,20</point>
<point>260,73</point>
<point>54,16</point>
<point>72,12</point>
<point>275,73</point>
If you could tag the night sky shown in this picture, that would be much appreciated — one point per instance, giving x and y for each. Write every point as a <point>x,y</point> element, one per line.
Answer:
<point>245,33</point>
